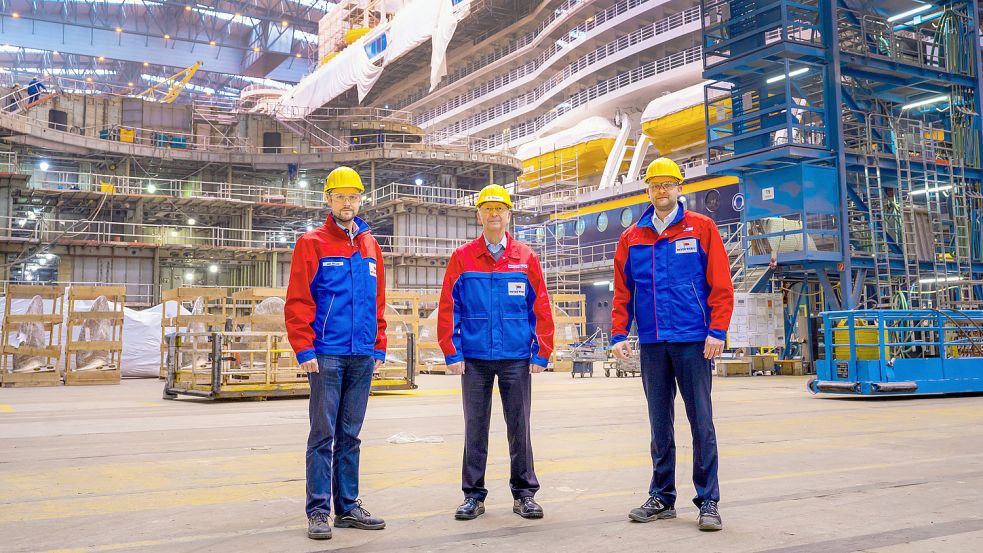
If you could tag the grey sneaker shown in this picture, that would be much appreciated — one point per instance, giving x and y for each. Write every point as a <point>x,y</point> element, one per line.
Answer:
<point>653,509</point>
<point>710,517</point>
<point>359,518</point>
<point>318,527</point>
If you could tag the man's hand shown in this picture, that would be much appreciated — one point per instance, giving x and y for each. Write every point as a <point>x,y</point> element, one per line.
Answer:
<point>378,364</point>
<point>713,347</point>
<point>621,350</point>
<point>456,368</point>
<point>309,366</point>
<point>536,369</point>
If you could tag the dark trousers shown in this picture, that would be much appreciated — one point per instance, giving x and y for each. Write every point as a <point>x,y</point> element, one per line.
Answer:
<point>515,386</point>
<point>339,395</point>
<point>663,366</point>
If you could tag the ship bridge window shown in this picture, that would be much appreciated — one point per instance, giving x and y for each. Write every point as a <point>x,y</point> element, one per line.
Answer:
<point>377,46</point>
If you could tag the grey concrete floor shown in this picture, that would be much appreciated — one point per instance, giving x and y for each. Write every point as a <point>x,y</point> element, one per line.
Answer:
<point>118,469</point>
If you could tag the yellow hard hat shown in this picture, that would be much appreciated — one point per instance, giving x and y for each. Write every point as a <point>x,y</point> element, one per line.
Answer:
<point>343,177</point>
<point>494,193</point>
<point>663,167</point>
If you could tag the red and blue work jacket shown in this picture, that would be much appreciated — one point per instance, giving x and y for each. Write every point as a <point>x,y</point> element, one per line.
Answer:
<point>336,297</point>
<point>676,285</point>
<point>495,310</point>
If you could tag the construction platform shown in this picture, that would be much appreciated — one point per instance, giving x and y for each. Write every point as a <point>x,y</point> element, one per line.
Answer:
<point>119,469</point>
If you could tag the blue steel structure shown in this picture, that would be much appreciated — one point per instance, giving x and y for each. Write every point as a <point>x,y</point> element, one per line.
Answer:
<point>856,130</point>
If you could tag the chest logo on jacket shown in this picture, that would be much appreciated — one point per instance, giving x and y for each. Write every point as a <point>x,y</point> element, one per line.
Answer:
<point>517,288</point>
<point>686,246</point>
<point>371,269</point>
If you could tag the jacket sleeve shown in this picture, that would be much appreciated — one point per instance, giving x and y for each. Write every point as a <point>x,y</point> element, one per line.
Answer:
<point>721,297</point>
<point>540,315</point>
<point>623,305</point>
<point>380,305</point>
<point>449,313</point>
<point>300,308</point>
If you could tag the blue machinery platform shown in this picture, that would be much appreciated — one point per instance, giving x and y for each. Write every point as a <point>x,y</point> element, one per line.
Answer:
<point>897,352</point>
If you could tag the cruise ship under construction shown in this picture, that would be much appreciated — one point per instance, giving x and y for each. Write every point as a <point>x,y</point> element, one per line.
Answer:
<point>169,261</point>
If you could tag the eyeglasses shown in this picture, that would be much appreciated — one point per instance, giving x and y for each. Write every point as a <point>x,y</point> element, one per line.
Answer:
<point>347,198</point>
<point>493,210</point>
<point>662,186</point>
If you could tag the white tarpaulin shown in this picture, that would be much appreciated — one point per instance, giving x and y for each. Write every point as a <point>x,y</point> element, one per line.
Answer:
<point>415,23</point>
<point>442,34</point>
<point>591,128</point>
<point>141,334</point>
<point>349,68</point>
<point>674,102</point>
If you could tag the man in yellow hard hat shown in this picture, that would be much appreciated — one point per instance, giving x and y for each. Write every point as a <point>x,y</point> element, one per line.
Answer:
<point>672,278</point>
<point>335,323</point>
<point>494,319</point>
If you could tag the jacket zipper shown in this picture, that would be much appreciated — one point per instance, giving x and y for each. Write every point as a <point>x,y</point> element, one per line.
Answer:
<point>324,327</point>
<point>698,302</point>
<point>655,301</point>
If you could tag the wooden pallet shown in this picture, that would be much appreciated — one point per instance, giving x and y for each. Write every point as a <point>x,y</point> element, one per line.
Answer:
<point>77,317</point>
<point>47,374</point>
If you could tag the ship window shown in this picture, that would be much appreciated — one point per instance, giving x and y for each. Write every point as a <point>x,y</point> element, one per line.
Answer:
<point>602,222</point>
<point>581,225</point>
<point>626,217</point>
<point>376,47</point>
<point>711,200</point>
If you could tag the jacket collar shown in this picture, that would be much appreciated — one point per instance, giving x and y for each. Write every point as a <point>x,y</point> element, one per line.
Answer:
<point>332,227</point>
<point>511,247</point>
<point>646,219</point>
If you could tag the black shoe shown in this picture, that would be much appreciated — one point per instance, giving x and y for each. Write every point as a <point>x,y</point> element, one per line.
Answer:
<point>653,509</point>
<point>318,527</point>
<point>710,517</point>
<point>470,509</point>
<point>359,518</point>
<point>526,507</point>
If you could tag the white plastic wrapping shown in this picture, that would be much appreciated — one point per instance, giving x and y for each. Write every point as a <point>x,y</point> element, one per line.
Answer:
<point>270,306</point>
<point>349,68</point>
<point>415,23</point>
<point>32,335</point>
<point>442,34</point>
<point>95,330</point>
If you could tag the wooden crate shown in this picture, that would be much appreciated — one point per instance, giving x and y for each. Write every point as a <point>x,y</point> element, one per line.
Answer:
<point>763,362</point>
<point>790,367</point>
<point>77,317</point>
<point>733,367</point>
<point>214,317</point>
<point>244,304</point>
<point>48,374</point>
<point>570,321</point>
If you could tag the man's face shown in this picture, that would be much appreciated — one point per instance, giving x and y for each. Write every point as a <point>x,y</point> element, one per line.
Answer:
<point>494,216</point>
<point>344,203</point>
<point>664,192</point>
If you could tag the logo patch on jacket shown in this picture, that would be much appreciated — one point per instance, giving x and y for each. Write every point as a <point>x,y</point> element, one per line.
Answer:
<point>518,266</point>
<point>686,246</point>
<point>517,288</point>
<point>371,269</point>
<point>333,264</point>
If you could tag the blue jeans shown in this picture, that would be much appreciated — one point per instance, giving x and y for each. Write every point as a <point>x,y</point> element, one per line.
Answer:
<point>663,366</point>
<point>515,386</point>
<point>339,395</point>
